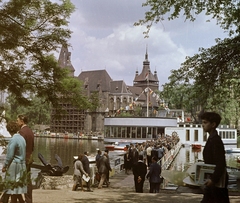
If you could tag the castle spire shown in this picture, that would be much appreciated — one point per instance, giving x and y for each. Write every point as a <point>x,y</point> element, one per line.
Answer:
<point>146,55</point>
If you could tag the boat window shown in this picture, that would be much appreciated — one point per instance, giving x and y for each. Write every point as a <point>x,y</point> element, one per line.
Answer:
<point>134,130</point>
<point>195,135</point>
<point>128,132</point>
<point>139,132</point>
<point>187,135</point>
<point>123,132</point>
<point>144,132</point>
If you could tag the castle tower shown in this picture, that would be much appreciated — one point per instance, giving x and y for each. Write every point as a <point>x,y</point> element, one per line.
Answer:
<point>64,60</point>
<point>146,78</point>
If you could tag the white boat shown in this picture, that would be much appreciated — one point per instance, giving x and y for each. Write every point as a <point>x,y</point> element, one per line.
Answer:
<point>199,172</point>
<point>117,146</point>
<point>190,134</point>
<point>141,129</point>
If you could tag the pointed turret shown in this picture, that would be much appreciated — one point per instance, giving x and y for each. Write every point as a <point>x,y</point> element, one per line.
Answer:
<point>142,79</point>
<point>64,60</point>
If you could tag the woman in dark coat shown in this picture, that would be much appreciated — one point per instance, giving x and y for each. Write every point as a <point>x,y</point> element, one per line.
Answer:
<point>127,162</point>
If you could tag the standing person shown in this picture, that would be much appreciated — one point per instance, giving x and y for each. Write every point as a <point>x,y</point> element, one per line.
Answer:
<point>154,176</point>
<point>86,167</point>
<point>14,164</point>
<point>98,156</point>
<point>78,173</point>
<point>28,135</point>
<point>107,155</point>
<point>127,162</point>
<point>134,155</point>
<point>139,172</point>
<point>149,155</point>
<point>215,190</point>
<point>104,168</point>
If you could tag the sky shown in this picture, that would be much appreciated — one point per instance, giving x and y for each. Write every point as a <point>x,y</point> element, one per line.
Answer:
<point>104,37</point>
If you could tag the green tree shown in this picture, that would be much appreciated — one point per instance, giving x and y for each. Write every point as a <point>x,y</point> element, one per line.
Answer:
<point>30,32</point>
<point>38,111</point>
<point>213,72</point>
<point>225,12</point>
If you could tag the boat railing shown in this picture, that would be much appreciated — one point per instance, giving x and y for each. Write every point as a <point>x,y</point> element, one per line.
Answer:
<point>168,158</point>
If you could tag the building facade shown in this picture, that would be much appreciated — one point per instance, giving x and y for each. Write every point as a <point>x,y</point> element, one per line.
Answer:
<point>114,97</point>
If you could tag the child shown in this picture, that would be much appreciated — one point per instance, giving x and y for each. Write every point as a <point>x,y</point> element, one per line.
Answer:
<point>215,190</point>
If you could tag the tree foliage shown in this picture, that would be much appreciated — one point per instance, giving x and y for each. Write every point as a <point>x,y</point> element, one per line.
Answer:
<point>214,75</point>
<point>30,32</point>
<point>227,12</point>
<point>38,111</point>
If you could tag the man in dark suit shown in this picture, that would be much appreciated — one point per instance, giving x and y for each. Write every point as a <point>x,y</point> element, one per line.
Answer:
<point>154,176</point>
<point>139,172</point>
<point>86,167</point>
<point>28,135</point>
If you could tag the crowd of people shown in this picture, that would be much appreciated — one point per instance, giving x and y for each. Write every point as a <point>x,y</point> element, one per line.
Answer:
<point>144,160</point>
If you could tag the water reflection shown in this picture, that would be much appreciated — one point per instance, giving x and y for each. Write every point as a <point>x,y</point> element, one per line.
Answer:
<point>65,148</point>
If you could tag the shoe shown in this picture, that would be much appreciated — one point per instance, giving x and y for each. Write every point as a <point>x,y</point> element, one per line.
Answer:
<point>99,187</point>
<point>89,190</point>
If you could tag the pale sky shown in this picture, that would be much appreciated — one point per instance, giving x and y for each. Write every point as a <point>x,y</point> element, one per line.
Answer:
<point>104,38</point>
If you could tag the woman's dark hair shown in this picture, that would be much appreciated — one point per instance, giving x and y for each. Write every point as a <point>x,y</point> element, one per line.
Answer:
<point>211,117</point>
<point>23,118</point>
<point>12,127</point>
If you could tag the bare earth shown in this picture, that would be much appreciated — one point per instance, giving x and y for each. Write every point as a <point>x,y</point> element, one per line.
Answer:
<point>121,190</point>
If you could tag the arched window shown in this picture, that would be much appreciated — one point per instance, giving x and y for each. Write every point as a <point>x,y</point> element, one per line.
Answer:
<point>111,104</point>
<point>118,103</point>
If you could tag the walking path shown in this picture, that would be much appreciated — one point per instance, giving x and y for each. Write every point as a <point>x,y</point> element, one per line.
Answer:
<point>121,189</point>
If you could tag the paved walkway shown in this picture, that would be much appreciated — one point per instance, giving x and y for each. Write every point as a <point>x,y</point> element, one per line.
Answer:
<point>121,189</point>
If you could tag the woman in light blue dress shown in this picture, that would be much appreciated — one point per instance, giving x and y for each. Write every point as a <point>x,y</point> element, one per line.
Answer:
<point>14,165</point>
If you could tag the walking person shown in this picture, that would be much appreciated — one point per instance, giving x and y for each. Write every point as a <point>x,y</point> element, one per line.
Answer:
<point>215,190</point>
<point>28,135</point>
<point>14,165</point>
<point>139,172</point>
<point>78,173</point>
<point>154,176</point>
<point>86,167</point>
<point>104,168</point>
<point>108,173</point>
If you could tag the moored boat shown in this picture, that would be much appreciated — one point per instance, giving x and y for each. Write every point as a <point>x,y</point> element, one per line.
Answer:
<point>116,146</point>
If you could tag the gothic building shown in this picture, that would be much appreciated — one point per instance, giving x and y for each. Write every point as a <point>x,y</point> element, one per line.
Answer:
<point>114,97</point>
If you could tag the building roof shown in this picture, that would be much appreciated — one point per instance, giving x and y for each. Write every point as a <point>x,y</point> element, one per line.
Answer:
<point>146,72</point>
<point>119,87</point>
<point>95,79</point>
<point>137,93</point>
